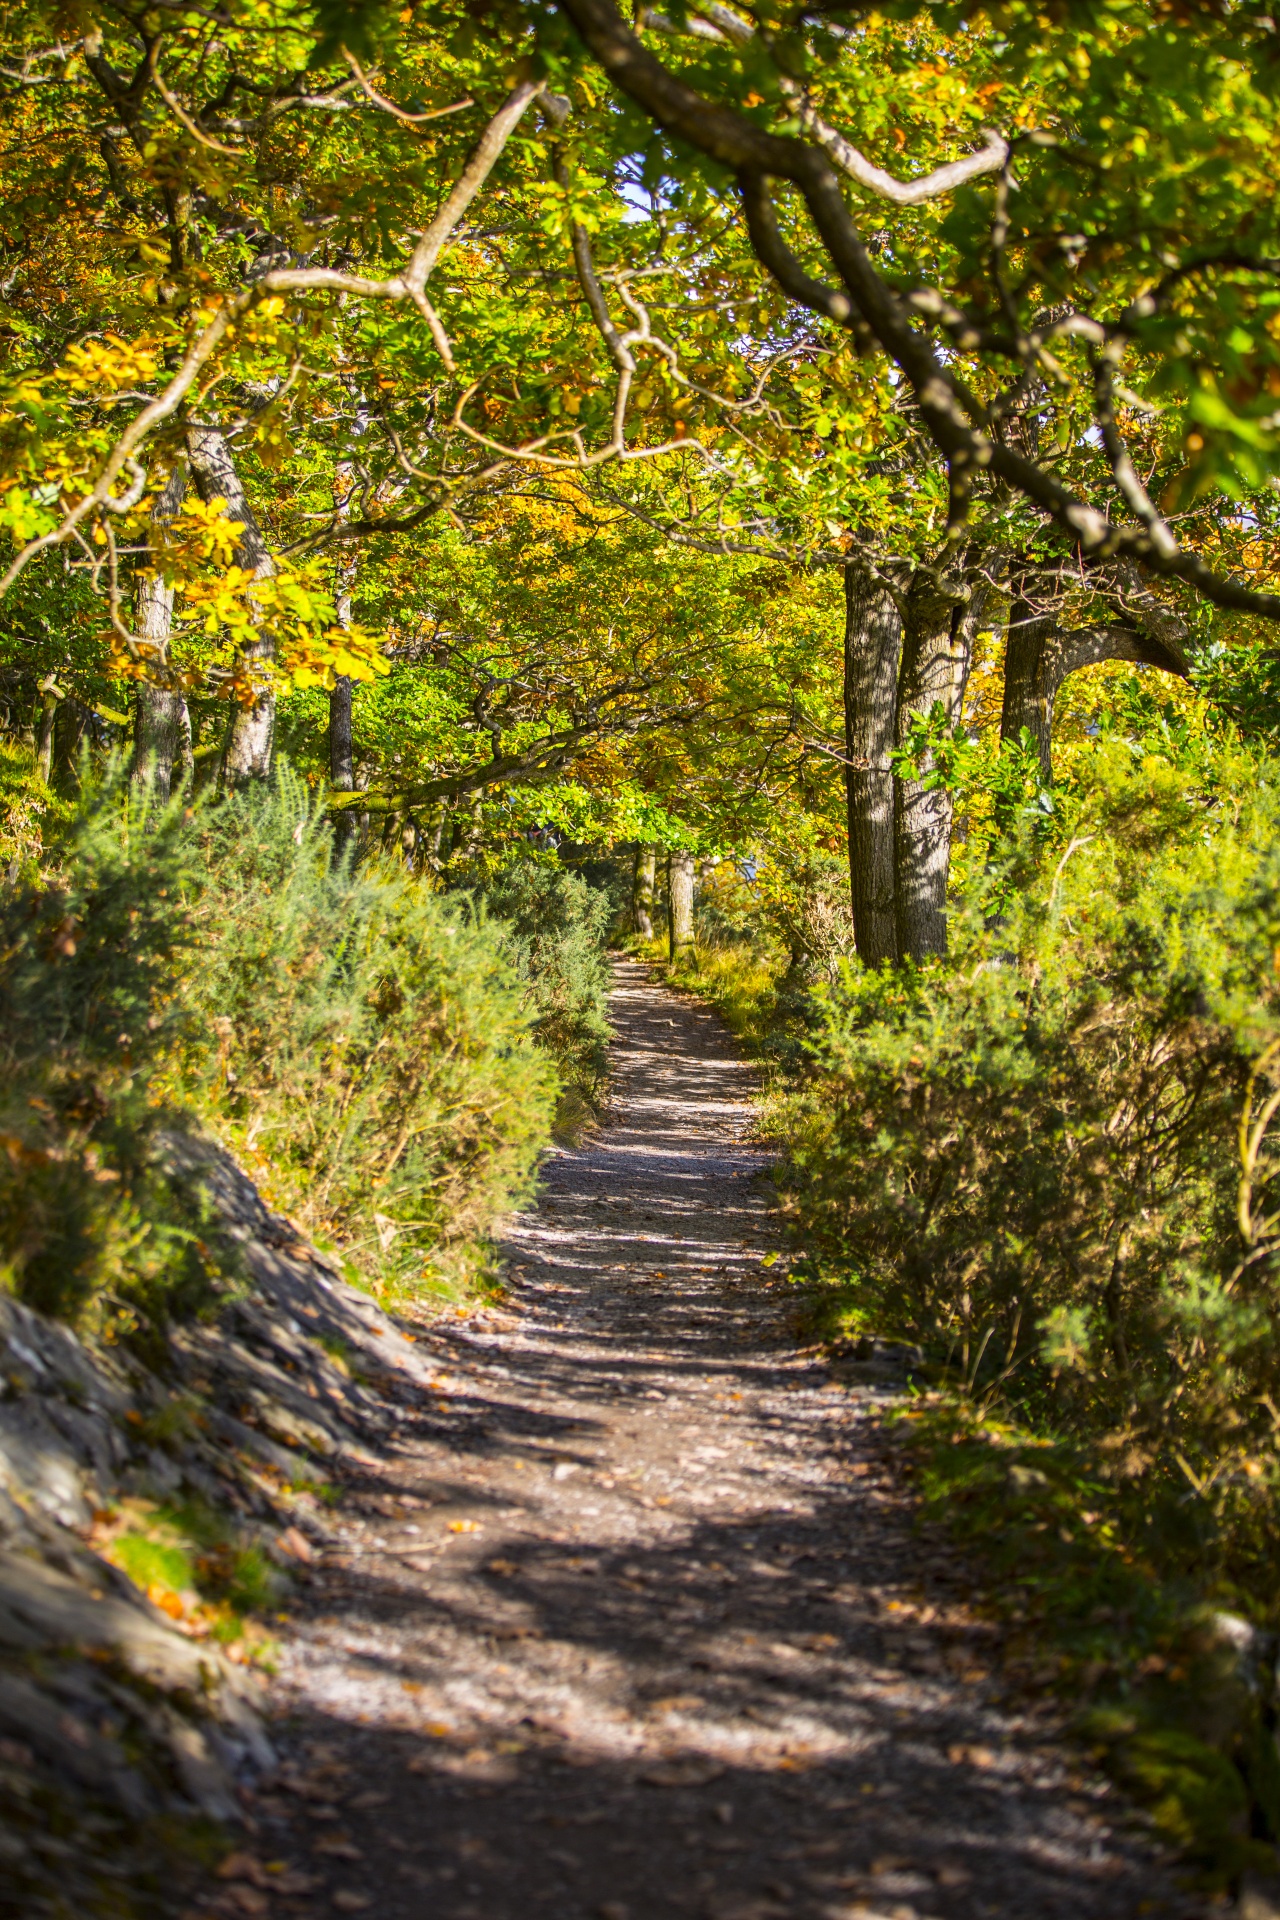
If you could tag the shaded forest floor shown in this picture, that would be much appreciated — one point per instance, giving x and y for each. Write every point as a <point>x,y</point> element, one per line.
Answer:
<point>633,1621</point>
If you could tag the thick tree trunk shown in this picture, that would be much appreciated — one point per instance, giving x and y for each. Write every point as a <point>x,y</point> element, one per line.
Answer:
<point>872,649</point>
<point>643,879</point>
<point>342,773</point>
<point>679,902</point>
<point>936,649</point>
<point>1029,683</point>
<point>246,753</point>
<point>1040,655</point>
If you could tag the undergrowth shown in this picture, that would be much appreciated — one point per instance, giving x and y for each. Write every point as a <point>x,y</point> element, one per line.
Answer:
<point>1051,1163</point>
<point>194,1565</point>
<point>553,927</point>
<point>364,1046</point>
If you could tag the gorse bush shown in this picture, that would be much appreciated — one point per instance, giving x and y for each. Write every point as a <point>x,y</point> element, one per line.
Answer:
<point>361,1044</point>
<point>93,1217</point>
<point>552,927</point>
<point>360,1040</point>
<point>1029,1159</point>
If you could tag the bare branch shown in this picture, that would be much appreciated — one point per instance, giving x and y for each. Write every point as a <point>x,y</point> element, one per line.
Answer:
<point>176,107</point>
<point>389,106</point>
<point>483,159</point>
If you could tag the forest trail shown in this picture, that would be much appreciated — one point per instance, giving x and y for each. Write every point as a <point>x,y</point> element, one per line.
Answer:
<point>634,1623</point>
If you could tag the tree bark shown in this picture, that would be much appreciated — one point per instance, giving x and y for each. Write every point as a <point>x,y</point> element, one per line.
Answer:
<point>49,698</point>
<point>162,725</point>
<point>348,826</point>
<point>872,650</point>
<point>679,902</point>
<point>69,729</point>
<point>643,880</point>
<point>1040,655</point>
<point>246,752</point>
<point>936,650</point>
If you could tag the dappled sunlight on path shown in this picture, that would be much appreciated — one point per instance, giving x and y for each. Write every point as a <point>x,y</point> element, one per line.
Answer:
<point>634,1622</point>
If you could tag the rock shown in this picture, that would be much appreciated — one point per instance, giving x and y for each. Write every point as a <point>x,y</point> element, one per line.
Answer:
<point>72,1747</point>
<point>152,1721</point>
<point>204,1778</point>
<point>64,1614</point>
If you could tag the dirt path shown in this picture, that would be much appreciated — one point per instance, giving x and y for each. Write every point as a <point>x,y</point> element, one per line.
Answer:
<point>635,1625</point>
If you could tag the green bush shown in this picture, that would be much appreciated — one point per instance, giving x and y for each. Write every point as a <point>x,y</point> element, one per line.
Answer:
<point>359,1043</point>
<point>363,1042</point>
<point>1028,1159</point>
<point>93,1220</point>
<point>552,927</point>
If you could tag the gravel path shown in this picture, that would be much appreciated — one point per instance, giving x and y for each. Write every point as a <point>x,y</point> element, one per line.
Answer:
<point>634,1624</point>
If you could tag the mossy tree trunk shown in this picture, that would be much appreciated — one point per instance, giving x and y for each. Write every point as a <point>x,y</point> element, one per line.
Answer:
<point>933,673</point>
<point>872,649</point>
<point>161,723</point>
<point>643,880</point>
<point>679,902</point>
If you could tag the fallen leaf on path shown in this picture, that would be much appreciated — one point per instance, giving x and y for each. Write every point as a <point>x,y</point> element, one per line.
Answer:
<point>337,1849</point>
<point>682,1773</point>
<point>464,1526</point>
<point>347,1901</point>
<point>503,1568</point>
<point>243,1866</point>
<point>297,1545</point>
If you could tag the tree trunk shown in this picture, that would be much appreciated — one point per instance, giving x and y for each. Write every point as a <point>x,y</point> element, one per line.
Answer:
<point>68,731</point>
<point>872,647</point>
<point>49,698</point>
<point>1029,685</point>
<point>643,881</point>
<point>348,826</point>
<point>679,902</point>
<point>936,649</point>
<point>1040,655</point>
<point>246,753</point>
<point>162,725</point>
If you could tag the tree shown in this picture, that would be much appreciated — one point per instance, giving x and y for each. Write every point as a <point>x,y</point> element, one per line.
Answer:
<point>642,885</point>
<point>680,878</point>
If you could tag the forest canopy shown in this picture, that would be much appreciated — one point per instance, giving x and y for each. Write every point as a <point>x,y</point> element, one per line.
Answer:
<point>506,407</point>
<point>793,488</point>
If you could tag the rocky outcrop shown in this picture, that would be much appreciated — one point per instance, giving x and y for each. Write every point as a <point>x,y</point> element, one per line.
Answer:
<point>114,1717</point>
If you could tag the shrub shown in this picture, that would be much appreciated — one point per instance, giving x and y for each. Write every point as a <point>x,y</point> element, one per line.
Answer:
<point>362,1042</point>
<point>94,1222</point>
<point>552,926</point>
<point>1029,1159</point>
<point>359,1042</point>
